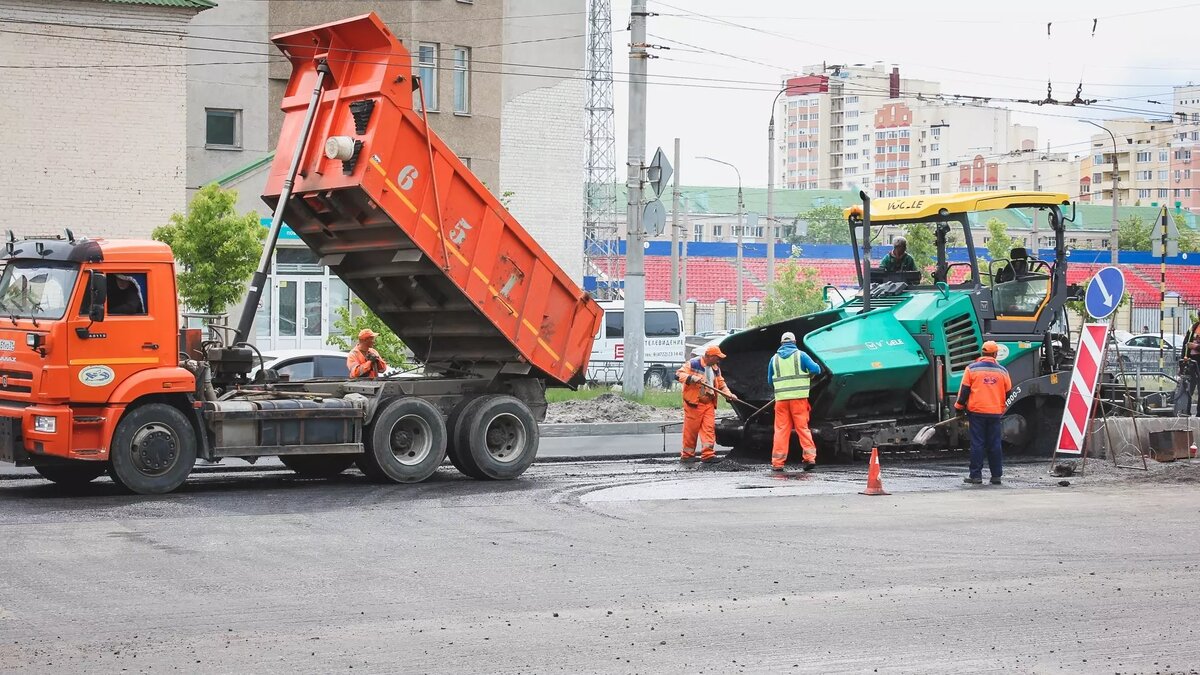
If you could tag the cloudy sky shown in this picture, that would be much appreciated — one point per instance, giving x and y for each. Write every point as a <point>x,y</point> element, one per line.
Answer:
<point>713,87</point>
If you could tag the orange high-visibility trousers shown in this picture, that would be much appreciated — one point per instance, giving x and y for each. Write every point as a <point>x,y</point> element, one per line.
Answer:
<point>699,421</point>
<point>792,416</point>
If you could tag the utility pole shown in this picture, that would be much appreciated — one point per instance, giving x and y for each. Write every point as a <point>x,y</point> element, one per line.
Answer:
<point>683,296</point>
<point>771,191</point>
<point>675,234</point>
<point>635,270</point>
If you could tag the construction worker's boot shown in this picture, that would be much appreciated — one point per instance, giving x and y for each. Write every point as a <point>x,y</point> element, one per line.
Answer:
<point>973,481</point>
<point>809,466</point>
<point>995,480</point>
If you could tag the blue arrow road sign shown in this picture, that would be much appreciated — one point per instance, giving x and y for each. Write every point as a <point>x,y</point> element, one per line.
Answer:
<point>1104,292</point>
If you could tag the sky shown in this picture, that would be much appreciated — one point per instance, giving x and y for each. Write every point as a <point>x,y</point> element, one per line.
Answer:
<point>713,88</point>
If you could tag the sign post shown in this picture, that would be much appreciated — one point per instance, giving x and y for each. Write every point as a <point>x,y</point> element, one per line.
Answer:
<point>1103,296</point>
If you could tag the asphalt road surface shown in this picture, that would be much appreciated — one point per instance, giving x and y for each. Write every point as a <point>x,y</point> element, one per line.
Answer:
<point>602,567</point>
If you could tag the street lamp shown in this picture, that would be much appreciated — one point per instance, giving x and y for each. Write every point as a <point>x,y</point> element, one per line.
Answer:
<point>771,189</point>
<point>741,208</point>
<point>1112,232</point>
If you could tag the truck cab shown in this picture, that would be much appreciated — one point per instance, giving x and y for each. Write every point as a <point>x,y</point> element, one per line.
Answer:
<point>89,327</point>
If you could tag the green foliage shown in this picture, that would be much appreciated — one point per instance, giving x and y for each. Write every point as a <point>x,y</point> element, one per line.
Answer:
<point>826,225</point>
<point>217,249</point>
<point>1133,234</point>
<point>922,246</point>
<point>796,291</point>
<point>1189,239</point>
<point>349,324</point>
<point>1000,245</point>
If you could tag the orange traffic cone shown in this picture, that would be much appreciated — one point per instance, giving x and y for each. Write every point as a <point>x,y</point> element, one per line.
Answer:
<point>874,481</point>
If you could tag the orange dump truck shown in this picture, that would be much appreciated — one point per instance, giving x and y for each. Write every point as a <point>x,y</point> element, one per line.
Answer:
<point>96,374</point>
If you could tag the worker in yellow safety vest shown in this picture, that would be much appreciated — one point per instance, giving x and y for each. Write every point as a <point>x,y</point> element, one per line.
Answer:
<point>790,373</point>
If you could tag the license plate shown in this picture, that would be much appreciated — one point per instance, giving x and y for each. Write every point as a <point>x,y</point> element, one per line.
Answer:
<point>8,439</point>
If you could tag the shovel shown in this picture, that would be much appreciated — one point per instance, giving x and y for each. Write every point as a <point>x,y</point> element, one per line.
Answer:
<point>924,435</point>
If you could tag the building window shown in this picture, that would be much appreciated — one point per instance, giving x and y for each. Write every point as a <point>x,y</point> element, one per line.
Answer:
<point>1162,155</point>
<point>1145,175</point>
<point>935,162</point>
<point>1144,156</point>
<point>223,128</point>
<point>1097,159</point>
<point>462,80</point>
<point>1163,174</point>
<point>718,230</point>
<point>1096,178</point>
<point>427,69</point>
<point>1143,194</point>
<point>698,232</point>
<point>1162,193</point>
<point>935,176</point>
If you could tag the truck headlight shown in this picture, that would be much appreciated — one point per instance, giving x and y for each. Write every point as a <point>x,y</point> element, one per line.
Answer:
<point>45,424</point>
<point>33,340</point>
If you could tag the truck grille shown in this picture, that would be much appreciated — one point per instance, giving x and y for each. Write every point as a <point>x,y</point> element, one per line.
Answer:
<point>962,344</point>
<point>16,381</point>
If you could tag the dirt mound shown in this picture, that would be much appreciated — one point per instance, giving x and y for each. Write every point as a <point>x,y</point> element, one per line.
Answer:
<point>608,408</point>
<point>1185,471</point>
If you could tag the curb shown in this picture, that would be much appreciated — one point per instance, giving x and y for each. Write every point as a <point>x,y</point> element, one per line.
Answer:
<point>607,429</point>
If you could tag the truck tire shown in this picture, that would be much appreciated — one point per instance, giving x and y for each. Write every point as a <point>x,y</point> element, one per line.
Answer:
<point>406,442</point>
<point>153,450</point>
<point>317,466</point>
<point>656,378</point>
<point>501,437</point>
<point>458,443</point>
<point>72,473</point>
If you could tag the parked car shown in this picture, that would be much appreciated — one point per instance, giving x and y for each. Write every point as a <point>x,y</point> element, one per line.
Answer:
<point>304,364</point>
<point>1144,349</point>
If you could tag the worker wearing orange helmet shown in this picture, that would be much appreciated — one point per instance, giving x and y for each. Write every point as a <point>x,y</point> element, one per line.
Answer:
<point>702,382</point>
<point>985,388</point>
<point>363,360</point>
<point>790,373</point>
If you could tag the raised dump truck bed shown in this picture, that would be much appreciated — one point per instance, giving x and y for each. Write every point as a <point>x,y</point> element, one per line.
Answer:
<point>394,213</point>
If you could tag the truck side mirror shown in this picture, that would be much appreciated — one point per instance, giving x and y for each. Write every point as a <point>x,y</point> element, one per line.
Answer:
<point>98,292</point>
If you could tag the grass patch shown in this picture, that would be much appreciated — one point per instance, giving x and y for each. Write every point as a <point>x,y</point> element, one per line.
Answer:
<point>655,398</point>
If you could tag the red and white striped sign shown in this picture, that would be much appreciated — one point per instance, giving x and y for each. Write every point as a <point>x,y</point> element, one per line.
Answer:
<point>1089,362</point>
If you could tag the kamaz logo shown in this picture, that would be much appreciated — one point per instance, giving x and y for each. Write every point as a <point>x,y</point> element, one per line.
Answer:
<point>8,345</point>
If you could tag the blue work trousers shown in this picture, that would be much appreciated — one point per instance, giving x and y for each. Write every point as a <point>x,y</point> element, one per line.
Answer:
<point>985,440</point>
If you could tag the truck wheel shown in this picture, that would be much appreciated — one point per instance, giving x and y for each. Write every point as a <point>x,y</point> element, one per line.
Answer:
<point>407,442</point>
<point>656,378</point>
<point>317,466</point>
<point>458,444</point>
<point>502,437</point>
<point>153,450</point>
<point>73,473</point>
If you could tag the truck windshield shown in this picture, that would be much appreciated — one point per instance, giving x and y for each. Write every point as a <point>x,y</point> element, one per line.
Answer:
<point>33,289</point>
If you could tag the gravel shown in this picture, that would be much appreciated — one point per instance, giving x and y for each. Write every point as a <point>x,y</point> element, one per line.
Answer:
<point>608,408</point>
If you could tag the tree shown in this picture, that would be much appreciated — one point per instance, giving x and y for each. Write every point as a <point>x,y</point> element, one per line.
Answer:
<point>796,291</point>
<point>826,225</point>
<point>348,325</point>
<point>1133,234</point>
<point>1000,245</point>
<point>1079,307</point>
<point>217,249</point>
<point>922,246</point>
<point>1189,239</point>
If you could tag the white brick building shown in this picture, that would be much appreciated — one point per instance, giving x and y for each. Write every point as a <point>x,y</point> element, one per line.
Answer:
<point>543,129</point>
<point>95,114</point>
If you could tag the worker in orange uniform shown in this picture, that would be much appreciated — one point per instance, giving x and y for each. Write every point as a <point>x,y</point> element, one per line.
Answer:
<point>701,378</point>
<point>790,373</point>
<point>363,360</point>
<point>984,390</point>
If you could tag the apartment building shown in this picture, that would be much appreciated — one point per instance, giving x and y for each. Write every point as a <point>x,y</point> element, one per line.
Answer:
<point>855,127</point>
<point>828,118</point>
<point>1025,170</point>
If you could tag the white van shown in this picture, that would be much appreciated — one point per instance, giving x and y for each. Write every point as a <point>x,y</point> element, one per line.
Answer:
<point>664,348</point>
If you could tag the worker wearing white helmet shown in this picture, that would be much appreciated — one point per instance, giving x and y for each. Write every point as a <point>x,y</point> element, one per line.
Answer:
<point>790,373</point>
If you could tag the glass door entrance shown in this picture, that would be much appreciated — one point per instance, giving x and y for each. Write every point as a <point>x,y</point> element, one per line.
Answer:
<point>299,313</point>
